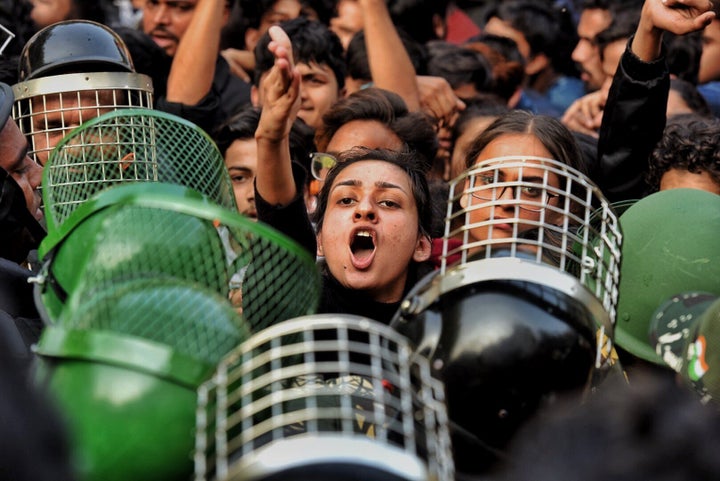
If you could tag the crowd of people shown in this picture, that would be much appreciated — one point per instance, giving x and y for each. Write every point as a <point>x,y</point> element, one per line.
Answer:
<point>399,144</point>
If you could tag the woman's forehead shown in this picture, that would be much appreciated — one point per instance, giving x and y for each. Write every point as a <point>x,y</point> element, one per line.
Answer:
<point>368,133</point>
<point>373,172</point>
<point>514,144</point>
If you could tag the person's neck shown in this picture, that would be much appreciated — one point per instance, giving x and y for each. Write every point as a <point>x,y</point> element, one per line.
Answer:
<point>543,80</point>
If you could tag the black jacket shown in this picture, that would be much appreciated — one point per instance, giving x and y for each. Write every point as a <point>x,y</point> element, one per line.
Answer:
<point>633,123</point>
<point>228,94</point>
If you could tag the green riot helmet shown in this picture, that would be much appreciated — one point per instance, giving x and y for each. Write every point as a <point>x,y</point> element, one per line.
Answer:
<point>70,72</point>
<point>150,230</point>
<point>685,332</point>
<point>670,247</point>
<point>123,370</point>
<point>149,270</point>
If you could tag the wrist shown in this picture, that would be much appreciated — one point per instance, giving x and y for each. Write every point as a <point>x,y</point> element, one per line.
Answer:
<point>647,41</point>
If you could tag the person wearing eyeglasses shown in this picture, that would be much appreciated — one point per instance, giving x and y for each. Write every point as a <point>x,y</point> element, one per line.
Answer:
<point>373,118</point>
<point>519,187</point>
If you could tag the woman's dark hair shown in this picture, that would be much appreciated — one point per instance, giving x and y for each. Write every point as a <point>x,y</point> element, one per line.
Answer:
<point>408,161</point>
<point>484,105</point>
<point>556,138</point>
<point>692,97</point>
<point>548,29</point>
<point>414,129</point>
<point>459,65</point>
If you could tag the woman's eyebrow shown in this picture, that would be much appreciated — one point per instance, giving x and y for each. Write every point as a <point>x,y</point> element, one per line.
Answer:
<point>533,178</point>
<point>381,184</point>
<point>388,185</point>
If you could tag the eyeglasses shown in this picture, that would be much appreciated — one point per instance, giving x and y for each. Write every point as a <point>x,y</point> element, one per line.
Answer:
<point>532,198</point>
<point>320,163</point>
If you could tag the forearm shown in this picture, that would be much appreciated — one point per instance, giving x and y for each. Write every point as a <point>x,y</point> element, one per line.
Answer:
<point>647,41</point>
<point>274,178</point>
<point>633,122</point>
<point>390,64</point>
<point>193,66</point>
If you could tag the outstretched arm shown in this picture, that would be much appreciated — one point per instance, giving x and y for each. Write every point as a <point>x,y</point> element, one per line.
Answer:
<point>281,92</point>
<point>390,64</point>
<point>193,67</point>
<point>634,115</point>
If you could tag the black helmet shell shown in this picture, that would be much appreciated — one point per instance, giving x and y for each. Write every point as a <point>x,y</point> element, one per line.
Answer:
<point>73,46</point>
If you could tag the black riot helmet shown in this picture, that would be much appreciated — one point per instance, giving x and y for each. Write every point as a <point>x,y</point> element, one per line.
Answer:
<point>71,72</point>
<point>73,46</point>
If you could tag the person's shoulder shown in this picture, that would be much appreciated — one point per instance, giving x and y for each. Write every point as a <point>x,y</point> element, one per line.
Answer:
<point>225,79</point>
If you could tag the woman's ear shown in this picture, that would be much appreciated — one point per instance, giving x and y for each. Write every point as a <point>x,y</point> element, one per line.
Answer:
<point>423,249</point>
<point>318,238</point>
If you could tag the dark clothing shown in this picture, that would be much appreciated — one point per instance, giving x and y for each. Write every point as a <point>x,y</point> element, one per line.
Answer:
<point>293,221</point>
<point>228,95</point>
<point>633,123</point>
<point>20,323</point>
<point>20,234</point>
<point>233,92</point>
<point>711,93</point>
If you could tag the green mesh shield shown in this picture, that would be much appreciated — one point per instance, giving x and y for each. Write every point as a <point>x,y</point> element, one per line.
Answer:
<point>131,145</point>
<point>138,258</point>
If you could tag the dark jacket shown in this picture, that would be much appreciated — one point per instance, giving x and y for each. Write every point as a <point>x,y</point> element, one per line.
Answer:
<point>633,123</point>
<point>228,94</point>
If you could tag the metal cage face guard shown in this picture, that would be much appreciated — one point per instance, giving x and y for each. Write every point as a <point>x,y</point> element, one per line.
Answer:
<point>46,109</point>
<point>318,392</point>
<point>538,210</point>
<point>6,37</point>
<point>132,145</point>
<point>140,245</point>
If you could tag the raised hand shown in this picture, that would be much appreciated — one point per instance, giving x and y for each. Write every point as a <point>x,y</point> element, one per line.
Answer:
<point>677,16</point>
<point>280,89</point>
